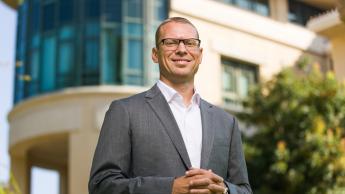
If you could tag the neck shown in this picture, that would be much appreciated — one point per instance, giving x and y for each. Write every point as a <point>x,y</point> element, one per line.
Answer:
<point>185,89</point>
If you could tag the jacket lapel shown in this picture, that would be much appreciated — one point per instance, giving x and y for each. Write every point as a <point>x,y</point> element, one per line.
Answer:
<point>207,132</point>
<point>162,110</point>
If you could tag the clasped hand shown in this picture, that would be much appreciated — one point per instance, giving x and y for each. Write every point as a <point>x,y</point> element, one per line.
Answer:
<point>198,181</point>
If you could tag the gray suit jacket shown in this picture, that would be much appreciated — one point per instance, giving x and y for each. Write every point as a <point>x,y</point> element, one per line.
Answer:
<point>140,148</point>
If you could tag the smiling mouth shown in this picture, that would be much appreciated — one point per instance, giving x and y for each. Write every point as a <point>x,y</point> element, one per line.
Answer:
<point>181,60</point>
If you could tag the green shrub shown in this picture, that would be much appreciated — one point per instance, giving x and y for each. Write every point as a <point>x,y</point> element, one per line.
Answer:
<point>299,145</point>
<point>12,188</point>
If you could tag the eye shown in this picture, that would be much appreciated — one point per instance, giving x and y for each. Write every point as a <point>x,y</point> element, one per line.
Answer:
<point>191,42</point>
<point>170,42</point>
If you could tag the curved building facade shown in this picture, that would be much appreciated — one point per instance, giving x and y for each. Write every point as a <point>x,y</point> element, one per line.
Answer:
<point>69,43</point>
<point>73,57</point>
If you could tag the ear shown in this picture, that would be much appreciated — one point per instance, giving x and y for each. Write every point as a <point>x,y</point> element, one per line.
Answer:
<point>154,55</point>
<point>200,56</point>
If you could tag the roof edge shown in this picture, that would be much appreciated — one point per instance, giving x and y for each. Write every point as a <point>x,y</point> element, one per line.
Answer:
<point>14,4</point>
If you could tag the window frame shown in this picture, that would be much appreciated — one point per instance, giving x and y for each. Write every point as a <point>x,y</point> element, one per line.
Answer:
<point>231,100</point>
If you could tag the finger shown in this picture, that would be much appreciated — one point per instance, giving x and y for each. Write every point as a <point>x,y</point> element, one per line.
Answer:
<point>201,173</point>
<point>205,173</point>
<point>200,182</point>
<point>214,188</point>
<point>200,191</point>
<point>203,176</point>
<point>195,171</point>
<point>216,178</point>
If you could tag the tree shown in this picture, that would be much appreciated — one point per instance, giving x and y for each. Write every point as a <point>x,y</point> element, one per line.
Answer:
<point>299,145</point>
<point>12,188</point>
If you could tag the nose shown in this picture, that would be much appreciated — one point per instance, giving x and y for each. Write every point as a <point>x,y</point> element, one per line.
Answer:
<point>181,49</point>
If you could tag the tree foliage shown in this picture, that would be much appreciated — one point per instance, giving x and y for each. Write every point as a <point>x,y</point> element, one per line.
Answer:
<point>299,145</point>
<point>11,188</point>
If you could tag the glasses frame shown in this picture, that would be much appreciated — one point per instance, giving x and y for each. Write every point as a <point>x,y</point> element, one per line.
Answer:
<point>179,41</point>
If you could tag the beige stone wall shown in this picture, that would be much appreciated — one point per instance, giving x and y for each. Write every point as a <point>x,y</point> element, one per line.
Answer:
<point>241,35</point>
<point>60,131</point>
<point>338,55</point>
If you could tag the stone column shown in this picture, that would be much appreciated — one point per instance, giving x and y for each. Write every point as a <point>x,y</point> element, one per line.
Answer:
<point>279,10</point>
<point>81,149</point>
<point>21,172</point>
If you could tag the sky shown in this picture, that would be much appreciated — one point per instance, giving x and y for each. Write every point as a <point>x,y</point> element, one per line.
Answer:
<point>7,48</point>
<point>43,180</point>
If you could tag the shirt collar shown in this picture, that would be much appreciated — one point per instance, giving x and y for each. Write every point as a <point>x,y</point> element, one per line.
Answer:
<point>170,93</point>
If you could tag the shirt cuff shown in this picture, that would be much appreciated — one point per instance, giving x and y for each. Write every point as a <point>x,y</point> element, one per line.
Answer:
<point>231,188</point>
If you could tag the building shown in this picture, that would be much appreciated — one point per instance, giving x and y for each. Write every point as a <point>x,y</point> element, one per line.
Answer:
<point>75,56</point>
<point>332,25</point>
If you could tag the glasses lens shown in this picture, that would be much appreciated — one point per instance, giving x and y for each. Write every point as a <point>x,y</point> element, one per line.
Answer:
<point>169,42</point>
<point>172,43</point>
<point>191,42</point>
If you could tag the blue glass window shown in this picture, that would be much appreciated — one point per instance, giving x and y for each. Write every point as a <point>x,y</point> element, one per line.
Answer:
<point>49,16</point>
<point>262,7</point>
<point>34,65</point>
<point>135,57</point>
<point>35,41</point>
<point>66,53</point>
<point>66,11</point>
<point>246,4</point>
<point>111,60</point>
<point>21,35</point>
<point>134,29</point>
<point>92,8</point>
<point>134,8</point>
<point>48,64</point>
<point>91,68</point>
<point>133,80</point>
<point>112,10</point>
<point>91,56</point>
<point>66,32</point>
<point>34,73</point>
<point>20,51</point>
<point>35,16</point>
<point>161,10</point>
<point>259,6</point>
<point>134,67</point>
<point>91,49</point>
<point>19,82</point>
<point>92,29</point>
<point>65,64</point>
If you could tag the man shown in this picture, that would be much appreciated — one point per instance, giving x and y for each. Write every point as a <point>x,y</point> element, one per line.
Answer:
<point>168,140</point>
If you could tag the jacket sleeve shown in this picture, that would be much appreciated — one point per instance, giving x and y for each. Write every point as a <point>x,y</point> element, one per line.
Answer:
<point>237,176</point>
<point>110,171</point>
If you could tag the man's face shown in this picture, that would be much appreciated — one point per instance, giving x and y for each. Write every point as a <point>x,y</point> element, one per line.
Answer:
<point>177,65</point>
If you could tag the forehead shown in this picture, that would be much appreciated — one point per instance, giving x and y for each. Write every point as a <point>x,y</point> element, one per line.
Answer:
<point>177,30</point>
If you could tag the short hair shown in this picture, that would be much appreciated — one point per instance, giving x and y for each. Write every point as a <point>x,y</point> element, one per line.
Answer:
<point>173,19</point>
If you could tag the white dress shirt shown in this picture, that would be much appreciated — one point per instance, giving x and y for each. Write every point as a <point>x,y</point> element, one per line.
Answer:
<point>188,120</point>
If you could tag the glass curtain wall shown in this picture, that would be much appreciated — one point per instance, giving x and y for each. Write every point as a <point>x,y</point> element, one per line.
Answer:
<point>68,43</point>
<point>258,6</point>
<point>66,51</point>
<point>20,53</point>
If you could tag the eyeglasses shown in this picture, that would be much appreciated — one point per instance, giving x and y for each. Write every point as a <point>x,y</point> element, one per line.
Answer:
<point>172,43</point>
